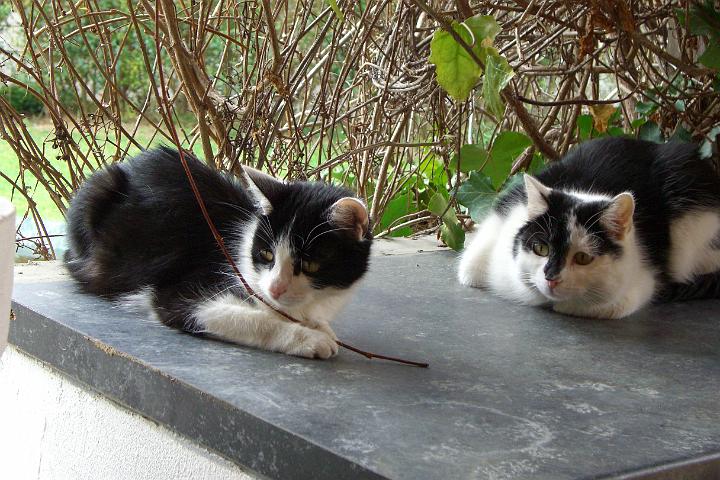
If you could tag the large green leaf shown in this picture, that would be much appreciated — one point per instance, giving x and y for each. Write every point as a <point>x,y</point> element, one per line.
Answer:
<point>472,157</point>
<point>711,56</point>
<point>704,18</point>
<point>451,231</point>
<point>497,75</point>
<point>453,235</point>
<point>438,205</point>
<point>585,126</point>
<point>651,132</point>
<point>476,194</point>
<point>506,148</point>
<point>396,208</point>
<point>484,28</point>
<point>456,71</point>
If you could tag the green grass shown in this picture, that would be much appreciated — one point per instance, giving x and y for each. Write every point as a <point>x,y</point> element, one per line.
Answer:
<point>9,166</point>
<point>42,134</point>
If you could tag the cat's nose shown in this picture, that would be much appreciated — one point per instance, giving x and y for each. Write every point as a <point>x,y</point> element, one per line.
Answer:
<point>552,283</point>
<point>277,289</point>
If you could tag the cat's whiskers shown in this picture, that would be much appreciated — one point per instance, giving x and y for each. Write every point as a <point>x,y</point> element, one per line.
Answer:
<point>325,232</point>
<point>265,227</point>
<point>597,216</point>
<point>264,236</point>
<point>238,208</point>
<point>541,227</point>
<point>313,229</point>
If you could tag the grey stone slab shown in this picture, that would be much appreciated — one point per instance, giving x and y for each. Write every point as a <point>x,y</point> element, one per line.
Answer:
<point>511,392</point>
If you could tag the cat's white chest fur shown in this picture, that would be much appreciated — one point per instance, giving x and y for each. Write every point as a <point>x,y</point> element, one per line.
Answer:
<point>488,259</point>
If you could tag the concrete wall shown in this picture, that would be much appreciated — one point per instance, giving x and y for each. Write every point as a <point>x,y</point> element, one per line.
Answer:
<point>51,428</point>
<point>7,252</point>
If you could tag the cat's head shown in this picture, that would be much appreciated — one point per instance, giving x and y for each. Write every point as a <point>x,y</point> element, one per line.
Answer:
<point>572,243</point>
<point>311,241</point>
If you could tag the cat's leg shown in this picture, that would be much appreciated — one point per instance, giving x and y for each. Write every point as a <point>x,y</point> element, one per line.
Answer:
<point>232,319</point>
<point>695,245</point>
<point>475,260</point>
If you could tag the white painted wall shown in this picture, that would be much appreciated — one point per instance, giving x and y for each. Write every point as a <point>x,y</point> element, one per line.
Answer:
<point>7,255</point>
<point>51,428</point>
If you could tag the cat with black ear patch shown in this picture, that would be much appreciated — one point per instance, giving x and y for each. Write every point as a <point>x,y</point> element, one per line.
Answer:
<point>137,235</point>
<point>614,225</point>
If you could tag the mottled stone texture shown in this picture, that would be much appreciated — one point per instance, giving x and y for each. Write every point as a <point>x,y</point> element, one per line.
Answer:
<point>511,392</point>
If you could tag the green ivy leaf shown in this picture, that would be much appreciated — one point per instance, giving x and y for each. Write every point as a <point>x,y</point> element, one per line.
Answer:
<point>703,19</point>
<point>705,149</point>
<point>472,157</point>
<point>453,235</point>
<point>438,204</point>
<point>537,164</point>
<point>615,131</point>
<point>484,28</point>
<point>585,126</point>
<point>646,109</point>
<point>456,71</point>
<point>451,232</point>
<point>681,134</point>
<point>512,182</point>
<point>506,148</point>
<point>711,56</point>
<point>476,194</point>
<point>497,75</point>
<point>650,131</point>
<point>396,208</point>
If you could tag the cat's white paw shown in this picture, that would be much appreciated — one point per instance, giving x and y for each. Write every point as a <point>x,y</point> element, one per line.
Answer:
<point>469,280</point>
<point>311,343</point>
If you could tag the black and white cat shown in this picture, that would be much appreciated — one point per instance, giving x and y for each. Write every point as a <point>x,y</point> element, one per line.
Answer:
<point>615,224</point>
<point>137,234</point>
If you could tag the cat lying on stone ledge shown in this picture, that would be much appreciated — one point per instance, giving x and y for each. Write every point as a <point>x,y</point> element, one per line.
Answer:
<point>136,234</point>
<point>614,225</point>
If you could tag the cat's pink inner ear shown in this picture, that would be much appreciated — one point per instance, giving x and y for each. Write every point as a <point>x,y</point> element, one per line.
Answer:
<point>536,196</point>
<point>350,213</point>
<point>618,217</point>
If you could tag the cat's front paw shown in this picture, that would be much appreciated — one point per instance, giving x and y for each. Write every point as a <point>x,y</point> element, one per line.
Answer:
<point>471,277</point>
<point>311,343</point>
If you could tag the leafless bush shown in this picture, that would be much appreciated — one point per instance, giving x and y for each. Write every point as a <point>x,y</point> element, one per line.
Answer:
<point>304,89</point>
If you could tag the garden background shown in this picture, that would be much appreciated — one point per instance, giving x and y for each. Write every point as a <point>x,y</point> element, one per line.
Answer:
<point>426,109</point>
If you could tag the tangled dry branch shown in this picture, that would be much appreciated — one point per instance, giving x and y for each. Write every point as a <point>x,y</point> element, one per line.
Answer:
<point>306,89</point>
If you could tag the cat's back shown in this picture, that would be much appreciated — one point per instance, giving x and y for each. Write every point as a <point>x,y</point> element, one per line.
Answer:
<point>669,177</point>
<point>658,175</point>
<point>139,221</point>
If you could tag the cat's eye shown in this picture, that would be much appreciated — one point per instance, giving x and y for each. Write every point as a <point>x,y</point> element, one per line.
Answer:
<point>541,249</point>
<point>309,266</point>
<point>582,258</point>
<point>267,255</point>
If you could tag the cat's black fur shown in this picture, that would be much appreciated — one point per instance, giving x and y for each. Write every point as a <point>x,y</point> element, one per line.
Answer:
<point>137,224</point>
<point>667,181</point>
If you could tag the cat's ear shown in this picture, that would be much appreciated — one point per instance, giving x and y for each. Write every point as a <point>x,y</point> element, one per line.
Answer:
<point>537,195</point>
<point>350,213</point>
<point>262,188</point>
<point>618,216</point>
